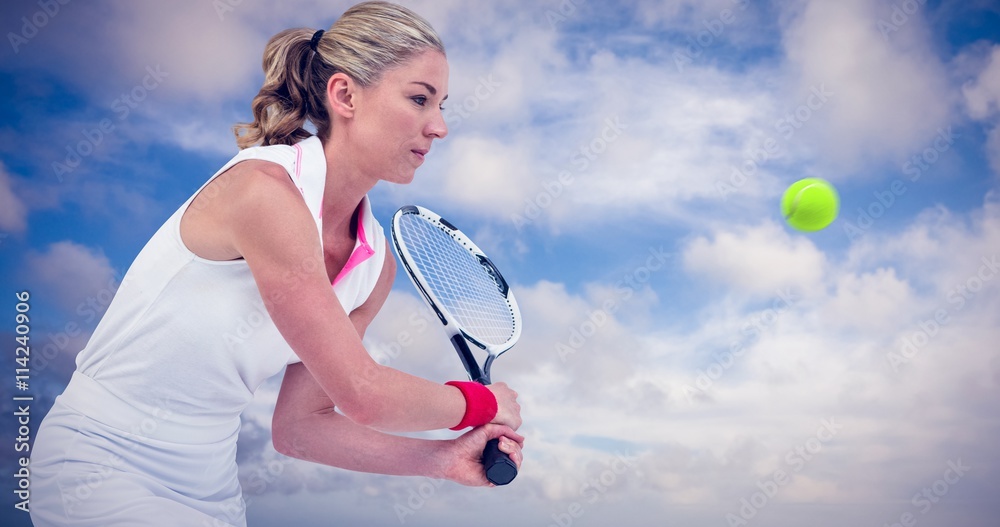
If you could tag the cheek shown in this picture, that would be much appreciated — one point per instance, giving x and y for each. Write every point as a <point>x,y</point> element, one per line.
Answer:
<point>398,119</point>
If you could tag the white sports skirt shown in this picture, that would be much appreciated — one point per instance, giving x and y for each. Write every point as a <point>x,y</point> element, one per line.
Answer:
<point>99,462</point>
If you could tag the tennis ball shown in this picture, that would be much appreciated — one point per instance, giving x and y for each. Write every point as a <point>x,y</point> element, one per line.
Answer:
<point>810,204</point>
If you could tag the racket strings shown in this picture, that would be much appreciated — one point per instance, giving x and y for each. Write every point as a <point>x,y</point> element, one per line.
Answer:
<point>459,282</point>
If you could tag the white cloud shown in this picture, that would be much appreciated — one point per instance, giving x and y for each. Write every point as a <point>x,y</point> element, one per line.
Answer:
<point>891,92</point>
<point>482,174</point>
<point>938,250</point>
<point>665,145</point>
<point>649,154</point>
<point>871,302</point>
<point>757,260</point>
<point>213,136</point>
<point>73,276</point>
<point>982,95</point>
<point>208,56</point>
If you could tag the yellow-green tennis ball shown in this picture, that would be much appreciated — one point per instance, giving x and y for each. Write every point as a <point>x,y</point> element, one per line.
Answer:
<point>810,204</point>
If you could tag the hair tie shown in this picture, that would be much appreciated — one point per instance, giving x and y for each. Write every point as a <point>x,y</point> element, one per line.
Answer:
<point>315,40</point>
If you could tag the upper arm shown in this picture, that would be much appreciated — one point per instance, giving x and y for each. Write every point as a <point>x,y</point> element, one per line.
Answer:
<point>274,232</point>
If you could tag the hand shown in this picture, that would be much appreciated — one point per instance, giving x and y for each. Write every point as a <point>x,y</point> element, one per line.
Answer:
<point>508,410</point>
<point>462,457</point>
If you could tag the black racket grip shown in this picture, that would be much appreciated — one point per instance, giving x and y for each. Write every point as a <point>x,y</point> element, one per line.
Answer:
<point>500,470</point>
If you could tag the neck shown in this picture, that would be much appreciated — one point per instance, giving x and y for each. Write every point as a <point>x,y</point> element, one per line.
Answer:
<point>346,186</point>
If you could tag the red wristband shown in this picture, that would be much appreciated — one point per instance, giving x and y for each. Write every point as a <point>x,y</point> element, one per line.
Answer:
<point>480,404</point>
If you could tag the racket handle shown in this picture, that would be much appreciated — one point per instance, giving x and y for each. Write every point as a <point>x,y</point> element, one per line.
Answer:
<point>500,470</point>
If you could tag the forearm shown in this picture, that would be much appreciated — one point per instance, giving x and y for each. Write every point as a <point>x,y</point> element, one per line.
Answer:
<point>332,439</point>
<point>370,394</point>
<point>400,402</point>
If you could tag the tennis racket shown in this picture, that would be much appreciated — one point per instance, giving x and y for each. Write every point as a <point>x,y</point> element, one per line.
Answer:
<point>469,296</point>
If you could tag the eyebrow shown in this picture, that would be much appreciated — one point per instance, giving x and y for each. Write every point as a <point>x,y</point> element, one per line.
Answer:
<point>430,88</point>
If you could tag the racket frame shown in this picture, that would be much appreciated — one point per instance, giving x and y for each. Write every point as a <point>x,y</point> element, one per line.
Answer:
<point>500,469</point>
<point>458,336</point>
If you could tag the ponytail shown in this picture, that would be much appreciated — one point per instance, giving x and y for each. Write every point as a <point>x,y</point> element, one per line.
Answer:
<point>367,39</point>
<point>288,96</point>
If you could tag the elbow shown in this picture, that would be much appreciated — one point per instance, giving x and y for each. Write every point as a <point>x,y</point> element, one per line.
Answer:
<point>363,411</point>
<point>283,438</point>
<point>281,442</point>
<point>363,416</point>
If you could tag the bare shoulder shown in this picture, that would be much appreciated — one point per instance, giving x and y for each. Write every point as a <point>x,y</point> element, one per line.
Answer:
<point>262,186</point>
<point>253,190</point>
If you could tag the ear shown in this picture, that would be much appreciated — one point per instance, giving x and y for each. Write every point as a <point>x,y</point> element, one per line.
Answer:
<point>341,94</point>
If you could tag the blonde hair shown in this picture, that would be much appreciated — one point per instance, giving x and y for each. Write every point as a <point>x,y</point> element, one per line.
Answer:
<point>368,39</point>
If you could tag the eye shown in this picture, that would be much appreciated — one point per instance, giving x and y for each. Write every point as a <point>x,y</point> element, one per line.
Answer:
<point>419,99</point>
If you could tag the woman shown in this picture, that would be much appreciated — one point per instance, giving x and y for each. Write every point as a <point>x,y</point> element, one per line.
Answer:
<point>276,262</point>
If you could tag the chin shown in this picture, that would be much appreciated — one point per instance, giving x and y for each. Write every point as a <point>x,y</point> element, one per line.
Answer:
<point>402,179</point>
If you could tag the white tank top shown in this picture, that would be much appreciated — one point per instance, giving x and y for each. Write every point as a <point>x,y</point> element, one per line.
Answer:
<point>193,334</point>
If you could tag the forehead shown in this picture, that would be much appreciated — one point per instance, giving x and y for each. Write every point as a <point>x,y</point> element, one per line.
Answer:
<point>429,67</point>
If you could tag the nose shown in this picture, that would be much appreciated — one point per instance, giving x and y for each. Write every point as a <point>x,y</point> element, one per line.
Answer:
<point>437,127</point>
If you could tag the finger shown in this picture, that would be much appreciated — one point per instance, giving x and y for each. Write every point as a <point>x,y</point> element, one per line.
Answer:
<point>508,446</point>
<point>514,443</point>
<point>506,431</point>
<point>512,449</point>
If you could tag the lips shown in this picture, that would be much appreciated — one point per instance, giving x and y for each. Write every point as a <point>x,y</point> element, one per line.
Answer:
<point>420,152</point>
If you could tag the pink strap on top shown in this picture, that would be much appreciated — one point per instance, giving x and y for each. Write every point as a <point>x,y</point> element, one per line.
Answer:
<point>362,251</point>
<point>298,170</point>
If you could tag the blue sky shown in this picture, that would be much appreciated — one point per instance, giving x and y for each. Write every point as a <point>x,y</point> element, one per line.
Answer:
<point>712,365</point>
